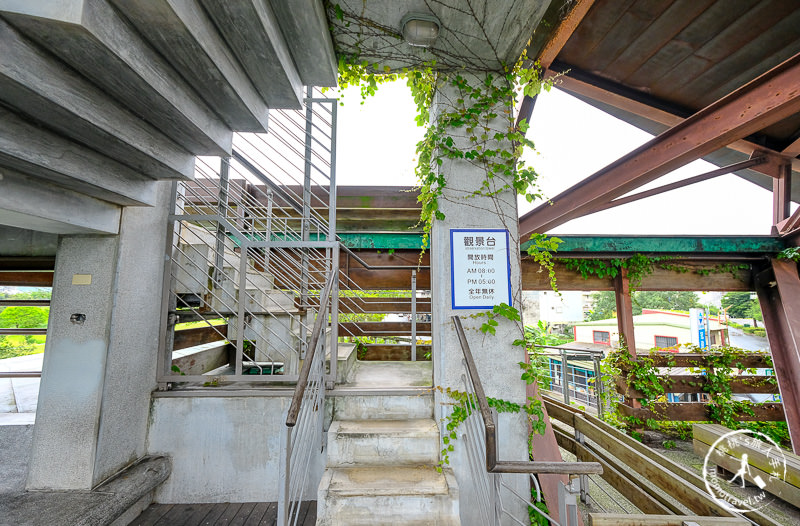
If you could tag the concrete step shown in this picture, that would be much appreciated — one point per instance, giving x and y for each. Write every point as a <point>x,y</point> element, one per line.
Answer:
<point>380,495</point>
<point>383,442</point>
<point>383,407</point>
<point>391,374</point>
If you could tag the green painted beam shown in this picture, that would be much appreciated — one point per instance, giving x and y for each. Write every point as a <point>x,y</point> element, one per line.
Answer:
<point>591,244</point>
<point>669,244</point>
<point>397,241</point>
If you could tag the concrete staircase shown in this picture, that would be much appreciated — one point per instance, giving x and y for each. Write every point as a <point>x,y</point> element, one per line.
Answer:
<point>383,449</point>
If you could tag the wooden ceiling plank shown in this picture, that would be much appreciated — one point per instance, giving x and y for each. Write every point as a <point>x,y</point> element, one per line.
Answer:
<point>693,36</point>
<point>761,54</point>
<point>659,33</point>
<point>768,99</point>
<point>604,15</point>
<point>733,44</point>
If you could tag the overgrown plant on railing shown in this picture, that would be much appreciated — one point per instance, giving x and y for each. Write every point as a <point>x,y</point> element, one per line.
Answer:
<point>649,387</point>
<point>542,249</point>
<point>463,405</point>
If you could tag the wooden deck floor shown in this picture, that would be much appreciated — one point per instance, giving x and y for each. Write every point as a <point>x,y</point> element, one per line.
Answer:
<point>229,514</point>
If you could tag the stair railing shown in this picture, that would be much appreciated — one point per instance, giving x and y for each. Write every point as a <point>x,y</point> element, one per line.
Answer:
<point>496,497</point>
<point>302,438</point>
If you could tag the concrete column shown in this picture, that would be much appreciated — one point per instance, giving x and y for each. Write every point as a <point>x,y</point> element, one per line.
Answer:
<point>495,357</point>
<point>100,357</point>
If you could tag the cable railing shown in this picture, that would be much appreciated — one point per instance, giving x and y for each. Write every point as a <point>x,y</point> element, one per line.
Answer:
<point>493,478</point>
<point>303,435</point>
<point>249,254</point>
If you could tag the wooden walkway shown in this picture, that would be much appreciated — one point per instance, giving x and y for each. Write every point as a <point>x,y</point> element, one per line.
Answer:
<point>229,514</point>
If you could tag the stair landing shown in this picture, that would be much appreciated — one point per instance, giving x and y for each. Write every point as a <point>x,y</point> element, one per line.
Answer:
<point>390,374</point>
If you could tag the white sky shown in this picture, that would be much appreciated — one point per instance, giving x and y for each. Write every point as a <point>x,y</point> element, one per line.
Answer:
<point>376,143</point>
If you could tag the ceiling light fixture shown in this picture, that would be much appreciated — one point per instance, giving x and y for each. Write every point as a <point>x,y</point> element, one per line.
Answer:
<point>420,29</point>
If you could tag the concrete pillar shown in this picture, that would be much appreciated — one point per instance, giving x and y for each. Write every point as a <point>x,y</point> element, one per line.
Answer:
<point>495,356</point>
<point>101,352</point>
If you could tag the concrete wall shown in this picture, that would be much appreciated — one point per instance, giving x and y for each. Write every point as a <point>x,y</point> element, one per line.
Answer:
<point>98,372</point>
<point>20,242</point>
<point>223,449</point>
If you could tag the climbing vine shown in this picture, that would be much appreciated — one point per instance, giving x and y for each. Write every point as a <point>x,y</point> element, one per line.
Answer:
<point>475,120</point>
<point>541,249</point>
<point>649,386</point>
<point>464,405</point>
<point>639,266</point>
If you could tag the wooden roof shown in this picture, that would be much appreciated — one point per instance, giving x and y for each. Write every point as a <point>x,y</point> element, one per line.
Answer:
<point>683,55</point>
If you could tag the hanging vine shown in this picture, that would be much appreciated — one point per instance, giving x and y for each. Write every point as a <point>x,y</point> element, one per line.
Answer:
<point>476,125</point>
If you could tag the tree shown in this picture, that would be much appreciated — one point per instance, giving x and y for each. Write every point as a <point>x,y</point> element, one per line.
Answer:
<point>604,305</point>
<point>24,317</point>
<point>739,304</point>
<point>667,300</point>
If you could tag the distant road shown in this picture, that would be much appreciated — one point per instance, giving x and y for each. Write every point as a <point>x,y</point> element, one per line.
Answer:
<point>747,341</point>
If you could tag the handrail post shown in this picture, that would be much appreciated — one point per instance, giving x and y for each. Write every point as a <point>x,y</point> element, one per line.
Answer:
<point>413,315</point>
<point>564,377</point>
<point>598,387</point>
<point>268,226</point>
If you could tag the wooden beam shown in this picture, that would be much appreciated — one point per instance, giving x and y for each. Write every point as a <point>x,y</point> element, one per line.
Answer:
<point>623,446</point>
<point>793,150</point>
<point>382,328</point>
<point>26,279</point>
<point>661,279</point>
<point>764,101</point>
<point>779,296</point>
<point>698,412</point>
<point>348,304</point>
<point>190,337</point>
<point>564,31</point>
<point>552,48</point>
<point>617,478</point>
<point>623,519</point>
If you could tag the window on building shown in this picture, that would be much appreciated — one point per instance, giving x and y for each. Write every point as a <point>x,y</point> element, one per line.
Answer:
<point>603,337</point>
<point>665,342</point>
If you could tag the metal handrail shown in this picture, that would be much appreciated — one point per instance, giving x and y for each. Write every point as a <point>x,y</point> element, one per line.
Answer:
<point>490,431</point>
<point>302,380</point>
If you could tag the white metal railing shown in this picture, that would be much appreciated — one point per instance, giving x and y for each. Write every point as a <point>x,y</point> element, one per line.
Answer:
<point>252,246</point>
<point>303,436</point>
<point>574,373</point>
<point>498,500</point>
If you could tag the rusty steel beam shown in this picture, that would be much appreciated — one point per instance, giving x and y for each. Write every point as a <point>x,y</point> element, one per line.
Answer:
<point>778,292</point>
<point>766,100</point>
<point>680,184</point>
<point>781,195</point>
<point>663,116</point>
